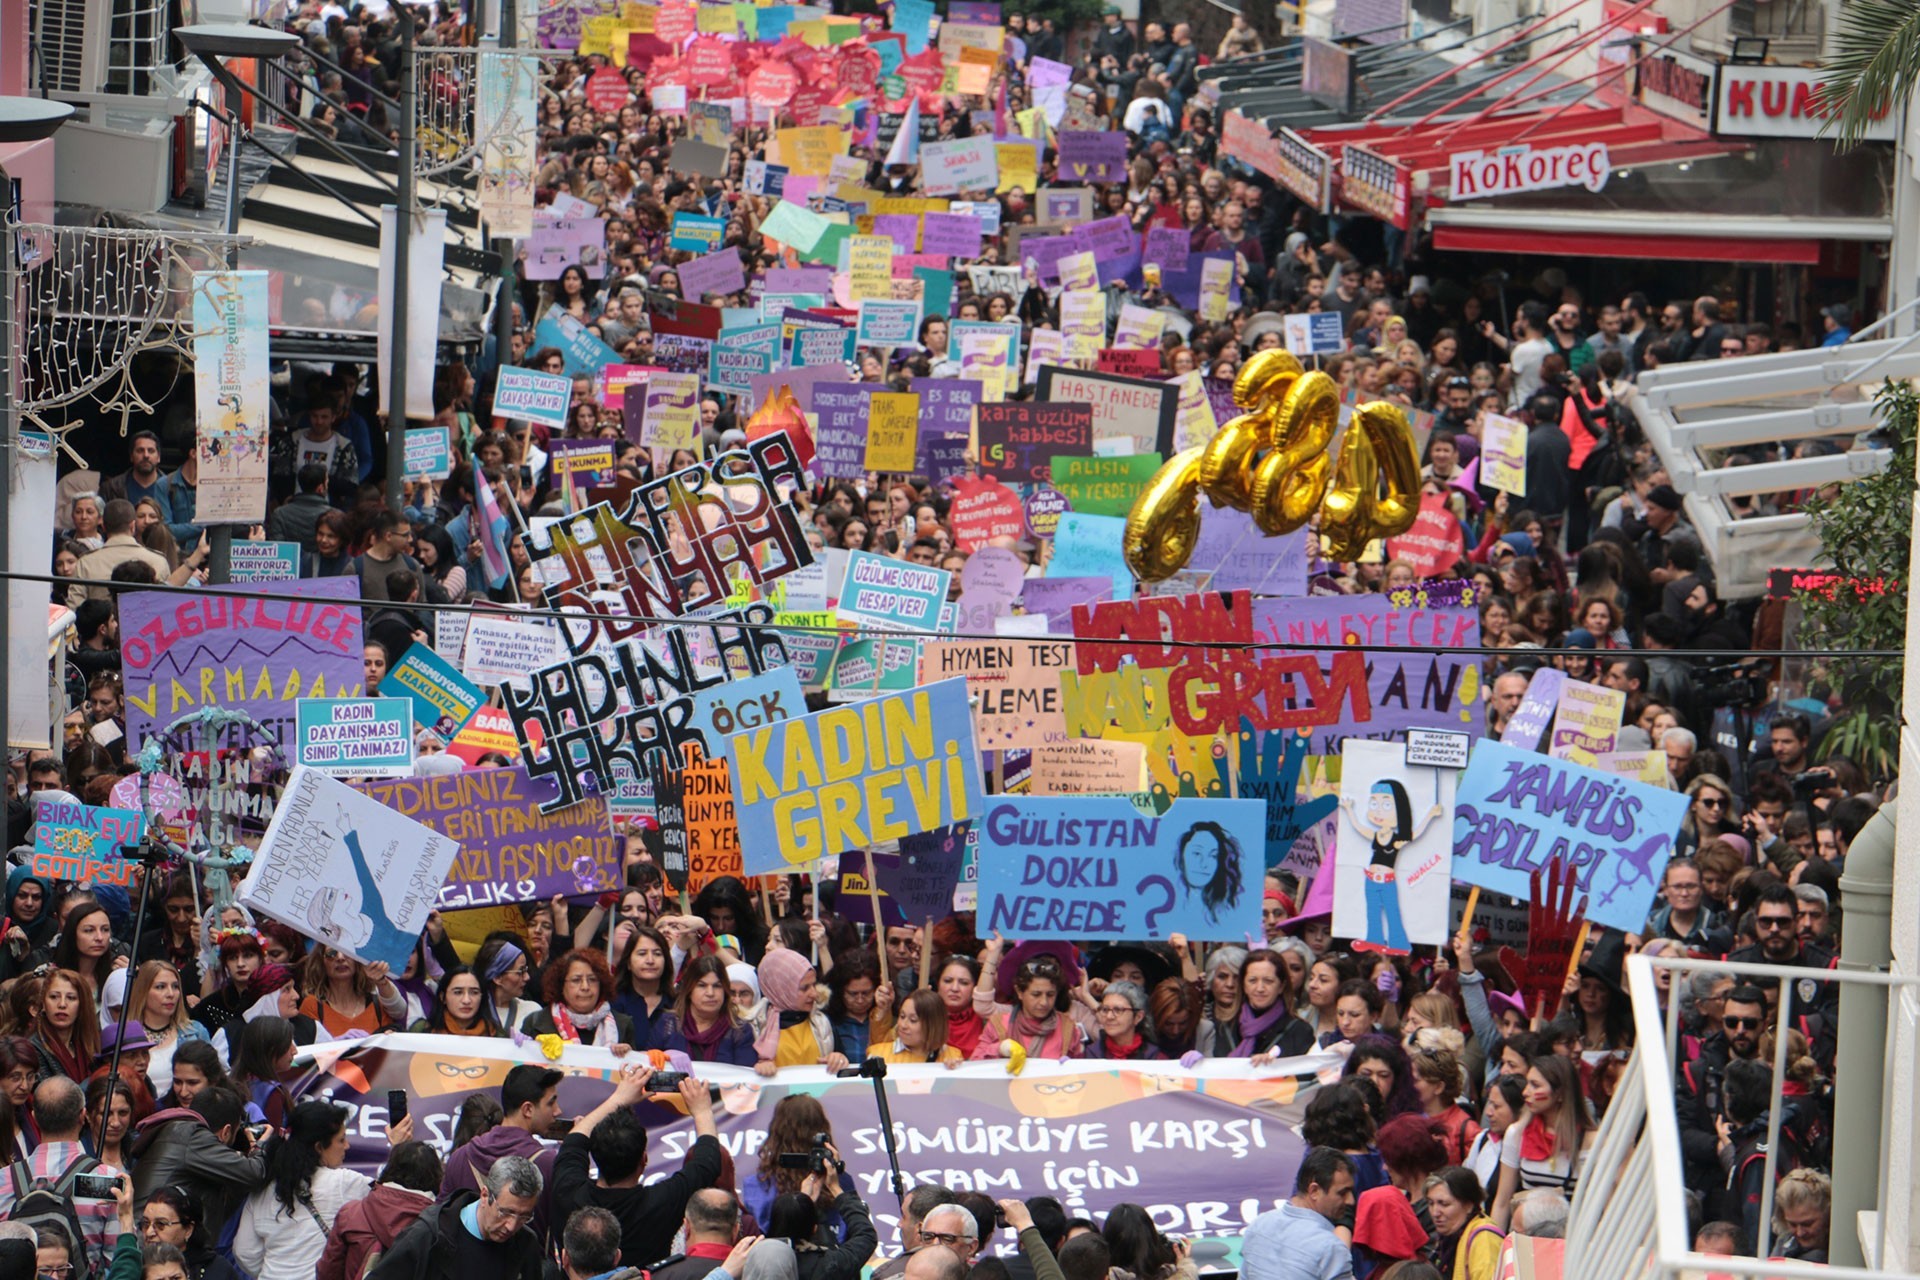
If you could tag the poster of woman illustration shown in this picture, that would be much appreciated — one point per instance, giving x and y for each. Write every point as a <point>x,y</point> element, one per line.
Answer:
<point>1394,857</point>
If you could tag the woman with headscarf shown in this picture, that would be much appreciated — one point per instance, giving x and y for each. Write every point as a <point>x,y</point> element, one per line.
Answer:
<point>789,1031</point>
<point>29,913</point>
<point>503,969</point>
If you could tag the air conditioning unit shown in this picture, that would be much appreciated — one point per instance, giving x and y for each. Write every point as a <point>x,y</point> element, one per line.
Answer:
<point>73,38</point>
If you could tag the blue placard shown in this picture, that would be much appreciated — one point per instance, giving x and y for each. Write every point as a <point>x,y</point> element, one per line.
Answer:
<point>738,706</point>
<point>263,562</point>
<point>65,830</point>
<point>895,595</point>
<point>443,699</point>
<point>1087,546</point>
<point>855,776</point>
<point>354,737</point>
<point>582,352</point>
<point>1516,812</point>
<point>824,345</point>
<point>697,233</point>
<point>1098,868</point>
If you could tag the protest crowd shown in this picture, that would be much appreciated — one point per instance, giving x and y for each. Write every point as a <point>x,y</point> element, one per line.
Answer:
<point>740,311</point>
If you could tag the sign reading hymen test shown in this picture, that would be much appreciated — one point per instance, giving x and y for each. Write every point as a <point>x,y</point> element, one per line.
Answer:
<point>852,777</point>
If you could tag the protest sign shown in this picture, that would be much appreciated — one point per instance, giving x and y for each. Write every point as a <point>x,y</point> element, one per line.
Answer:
<point>559,243</point>
<point>1503,454</point>
<point>736,706</point>
<point>713,834</point>
<point>442,697</point>
<point>1089,547</point>
<point>697,233</point>
<point>1092,155</point>
<point>1530,719</point>
<point>1272,769</point>
<point>506,649</point>
<point>1518,811</point>
<point>511,850</point>
<point>489,730</point>
<point>1233,555</point>
<point>181,652</point>
<point>82,842</point>
<point>1104,486</point>
<point>888,324</point>
<point>539,398</point>
<point>1097,868</point>
<point>429,452</point>
<point>1018,439</point>
<point>893,431</point>
<point>263,562</point>
<point>895,595</point>
<point>1586,721</point>
<point>1435,543</point>
<point>341,868</point>
<point>1314,333</point>
<point>1394,853</point>
<point>1649,767</point>
<point>854,776</point>
<point>1139,415</point>
<point>1015,684</point>
<point>840,413</point>
<point>355,737</point>
<point>669,411</point>
<point>912,887</point>
<point>822,345</point>
<point>717,272</point>
<point>962,164</point>
<point>1088,766</point>
<point>982,510</point>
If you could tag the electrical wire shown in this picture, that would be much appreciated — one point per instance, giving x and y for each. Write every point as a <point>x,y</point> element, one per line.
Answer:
<point>251,592</point>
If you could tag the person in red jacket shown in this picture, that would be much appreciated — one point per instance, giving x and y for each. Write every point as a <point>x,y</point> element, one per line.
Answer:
<point>367,1228</point>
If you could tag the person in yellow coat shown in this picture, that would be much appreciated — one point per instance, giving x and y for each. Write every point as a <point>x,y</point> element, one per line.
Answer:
<point>919,1033</point>
<point>1470,1244</point>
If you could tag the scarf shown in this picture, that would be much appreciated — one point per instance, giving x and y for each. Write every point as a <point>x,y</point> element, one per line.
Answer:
<point>72,1060</point>
<point>702,1044</point>
<point>503,961</point>
<point>964,1030</point>
<point>1033,1035</point>
<point>1134,1049</point>
<point>568,1024</point>
<point>781,984</point>
<point>1254,1025</point>
<point>1537,1140</point>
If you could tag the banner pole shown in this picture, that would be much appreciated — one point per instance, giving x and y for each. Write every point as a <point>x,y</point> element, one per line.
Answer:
<point>879,925</point>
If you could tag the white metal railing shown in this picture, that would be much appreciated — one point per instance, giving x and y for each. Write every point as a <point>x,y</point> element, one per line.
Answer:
<point>1629,1215</point>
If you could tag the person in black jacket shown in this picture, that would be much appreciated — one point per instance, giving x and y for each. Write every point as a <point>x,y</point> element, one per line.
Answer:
<point>473,1234</point>
<point>1815,1008</point>
<point>614,1137</point>
<point>204,1148</point>
<point>1698,1101</point>
<point>796,1219</point>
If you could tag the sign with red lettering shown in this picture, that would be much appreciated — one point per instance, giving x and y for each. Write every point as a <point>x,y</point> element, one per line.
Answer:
<point>1478,174</point>
<point>1436,541</point>
<point>1129,363</point>
<point>607,91</point>
<point>181,652</point>
<point>984,509</point>
<point>1778,102</point>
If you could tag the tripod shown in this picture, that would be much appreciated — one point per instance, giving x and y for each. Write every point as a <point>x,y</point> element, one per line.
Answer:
<point>875,1069</point>
<point>150,857</point>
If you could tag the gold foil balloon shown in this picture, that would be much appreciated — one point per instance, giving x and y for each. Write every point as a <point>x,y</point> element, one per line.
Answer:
<point>1395,508</point>
<point>1164,524</point>
<point>1346,519</point>
<point>1290,482</point>
<point>1226,468</point>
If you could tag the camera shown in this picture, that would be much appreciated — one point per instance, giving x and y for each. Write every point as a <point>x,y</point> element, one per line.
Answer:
<point>814,1160</point>
<point>1728,684</point>
<point>1811,783</point>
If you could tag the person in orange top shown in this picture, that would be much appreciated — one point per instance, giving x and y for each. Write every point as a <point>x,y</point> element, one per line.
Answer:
<point>343,995</point>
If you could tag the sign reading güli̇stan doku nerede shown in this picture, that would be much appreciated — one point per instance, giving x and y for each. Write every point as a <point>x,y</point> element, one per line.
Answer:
<point>1510,170</point>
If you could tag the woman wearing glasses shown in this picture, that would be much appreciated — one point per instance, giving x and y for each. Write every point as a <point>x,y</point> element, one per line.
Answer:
<point>173,1218</point>
<point>1709,817</point>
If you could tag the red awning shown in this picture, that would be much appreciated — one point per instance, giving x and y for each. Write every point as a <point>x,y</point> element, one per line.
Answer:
<point>1706,247</point>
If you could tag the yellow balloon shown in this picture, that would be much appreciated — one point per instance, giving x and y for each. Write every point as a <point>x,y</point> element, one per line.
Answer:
<point>1164,524</point>
<point>1290,482</point>
<point>1345,519</point>
<point>1262,383</point>
<point>1397,506</point>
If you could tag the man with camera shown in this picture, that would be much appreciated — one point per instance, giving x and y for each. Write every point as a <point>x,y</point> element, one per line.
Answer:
<point>796,1218</point>
<point>617,1142</point>
<point>204,1147</point>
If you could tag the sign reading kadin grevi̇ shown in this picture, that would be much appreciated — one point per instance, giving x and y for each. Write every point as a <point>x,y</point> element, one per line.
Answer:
<point>1505,172</point>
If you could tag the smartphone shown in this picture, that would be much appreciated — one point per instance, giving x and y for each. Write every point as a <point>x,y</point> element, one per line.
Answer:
<point>396,1106</point>
<point>560,1128</point>
<point>665,1081</point>
<point>93,1186</point>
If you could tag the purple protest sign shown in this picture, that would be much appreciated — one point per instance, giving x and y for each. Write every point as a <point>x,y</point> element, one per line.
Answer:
<point>1220,399</point>
<point>718,272</point>
<point>915,886</point>
<point>1168,247</point>
<point>1241,558</point>
<point>800,381</point>
<point>901,228</point>
<point>1045,253</point>
<point>979,12</point>
<point>946,404</point>
<point>942,459</point>
<point>1056,597</point>
<point>526,857</point>
<point>800,280</point>
<point>957,234</point>
<point>1184,286</point>
<point>1092,155</point>
<point>1116,247</point>
<point>840,438</point>
<point>180,652</point>
<point>559,243</point>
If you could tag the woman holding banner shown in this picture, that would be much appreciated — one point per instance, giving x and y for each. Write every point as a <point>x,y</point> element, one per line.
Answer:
<point>579,992</point>
<point>920,1033</point>
<point>702,1023</point>
<point>1268,1029</point>
<point>955,984</point>
<point>1033,1027</point>
<point>790,1032</point>
<point>1124,1028</point>
<point>460,1008</point>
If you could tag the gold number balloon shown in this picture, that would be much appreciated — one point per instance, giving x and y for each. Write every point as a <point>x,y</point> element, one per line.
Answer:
<point>1290,482</point>
<point>1396,508</point>
<point>1164,524</point>
<point>1226,467</point>
<point>1345,518</point>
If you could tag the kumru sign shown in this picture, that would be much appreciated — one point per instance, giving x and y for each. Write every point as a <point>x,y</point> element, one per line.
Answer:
<point>1510,170</point>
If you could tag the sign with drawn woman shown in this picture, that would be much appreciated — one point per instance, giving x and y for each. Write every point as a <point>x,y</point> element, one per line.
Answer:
<point>1394,859</point>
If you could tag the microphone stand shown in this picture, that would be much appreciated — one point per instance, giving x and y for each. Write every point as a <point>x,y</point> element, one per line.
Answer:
<point>875,1069</point>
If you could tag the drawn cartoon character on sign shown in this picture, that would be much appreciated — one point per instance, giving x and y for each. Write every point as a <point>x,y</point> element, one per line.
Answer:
<point>1208,864</point>
<point>1389,825</point>
<point>335,915</point>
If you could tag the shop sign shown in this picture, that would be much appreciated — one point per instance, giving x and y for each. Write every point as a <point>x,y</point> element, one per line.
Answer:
<point>1510,170</point>
<point>1376,184</point>
<point>1304,170</point>
<point>1326,73</point>
<point>1778,102</point>
<point>1677,85</point>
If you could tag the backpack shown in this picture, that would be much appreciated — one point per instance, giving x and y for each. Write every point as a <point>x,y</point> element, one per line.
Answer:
<point>39,1202</point>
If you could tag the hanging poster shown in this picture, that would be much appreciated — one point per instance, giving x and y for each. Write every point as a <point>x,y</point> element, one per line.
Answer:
<point>231,395</point>
<point>1393,857</point>
<point>504,124</point>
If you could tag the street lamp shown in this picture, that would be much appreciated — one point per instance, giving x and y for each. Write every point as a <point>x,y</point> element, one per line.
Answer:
<point>21,120</point>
